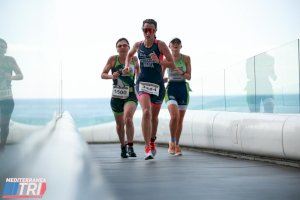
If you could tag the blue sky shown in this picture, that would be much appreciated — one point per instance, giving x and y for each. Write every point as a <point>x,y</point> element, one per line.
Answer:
<point>80,36</point>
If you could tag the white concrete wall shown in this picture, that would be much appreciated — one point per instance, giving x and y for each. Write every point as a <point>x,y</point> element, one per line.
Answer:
<point>253,133</point>
<point>19,131</point>
<point>58,153</point>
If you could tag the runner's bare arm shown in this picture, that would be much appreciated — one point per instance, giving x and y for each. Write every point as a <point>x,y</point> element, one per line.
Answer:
<point>188,73</point>
<point>163,72</point>
<point>168,62</point>
<point>107,68</point>
<point>131,54</point>
<point>136,67</point>
<point>163,67</point>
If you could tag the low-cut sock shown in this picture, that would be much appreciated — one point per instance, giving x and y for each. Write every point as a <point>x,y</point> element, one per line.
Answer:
<point>173,139</point>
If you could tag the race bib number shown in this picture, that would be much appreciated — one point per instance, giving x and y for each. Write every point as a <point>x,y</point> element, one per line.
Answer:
<point>5,94</point>
<point>120,92</point>
<point>149,88</point>
<point>174,76</point>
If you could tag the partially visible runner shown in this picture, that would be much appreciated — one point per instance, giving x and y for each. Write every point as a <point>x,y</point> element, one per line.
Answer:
<point>123,102</point>
<point>177,97</point>
<point>150,85</point>
<point>8,66</point>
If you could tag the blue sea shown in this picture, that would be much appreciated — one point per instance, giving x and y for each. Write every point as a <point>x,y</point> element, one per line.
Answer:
<point>88,112</point>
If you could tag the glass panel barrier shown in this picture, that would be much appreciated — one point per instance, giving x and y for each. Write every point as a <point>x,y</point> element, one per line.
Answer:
<point>88,112</point>
<point>196,96</point>
<point>29,68</point>
<point>213,91</point>
<point>36,97</point>
<point>240,87</point>
<point>277,80</point>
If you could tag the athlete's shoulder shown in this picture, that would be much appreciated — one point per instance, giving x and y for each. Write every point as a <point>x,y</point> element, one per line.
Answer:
<point>112,59</point>
<point>186,57</point>
<point>137,44</point>
<point>159,42</point>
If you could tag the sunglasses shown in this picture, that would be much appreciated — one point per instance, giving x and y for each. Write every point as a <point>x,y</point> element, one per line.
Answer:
<point>122,45</point>
<point>148,30</point>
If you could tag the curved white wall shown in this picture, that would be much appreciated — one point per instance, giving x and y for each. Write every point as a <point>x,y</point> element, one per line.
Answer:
<point>57,153</point>
<point>252,133</point>
<point>291,137</point>
<point>19,131</point>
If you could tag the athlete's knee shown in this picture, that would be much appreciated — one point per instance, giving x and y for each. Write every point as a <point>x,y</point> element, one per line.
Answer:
<point>128,120</point>
<point>174,116</point>
<point>147,113</point>
<point>119,125</point>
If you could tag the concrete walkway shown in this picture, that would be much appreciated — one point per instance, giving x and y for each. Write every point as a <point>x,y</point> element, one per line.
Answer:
<point>192,176</point>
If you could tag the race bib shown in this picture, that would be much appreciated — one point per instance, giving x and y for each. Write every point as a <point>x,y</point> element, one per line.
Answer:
<point>174,76</point>
<point>149,88</point>
<point>5,94</point>
<point>120,92</point>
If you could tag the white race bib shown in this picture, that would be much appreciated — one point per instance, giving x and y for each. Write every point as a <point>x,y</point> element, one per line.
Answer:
<point>4,94</point>
<point>150,88</point>
<point>176,77</point>
<point>120,92</point>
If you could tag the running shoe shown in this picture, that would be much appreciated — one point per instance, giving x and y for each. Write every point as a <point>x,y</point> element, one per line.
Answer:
<point>171,149</point>
<point>131,152</point>
<point>177,151</point>
<point>148,153</point>
<point>153,148</point>
<point>124,152</point>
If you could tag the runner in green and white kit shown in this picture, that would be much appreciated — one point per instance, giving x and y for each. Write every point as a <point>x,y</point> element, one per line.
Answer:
<point>123,102</point>
<point>177,95</point>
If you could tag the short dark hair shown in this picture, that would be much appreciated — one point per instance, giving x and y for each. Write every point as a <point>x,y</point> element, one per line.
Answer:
<point>150,21</point>
<point>3,41</point>
<point>122,39</point>
<point>175,41</point>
